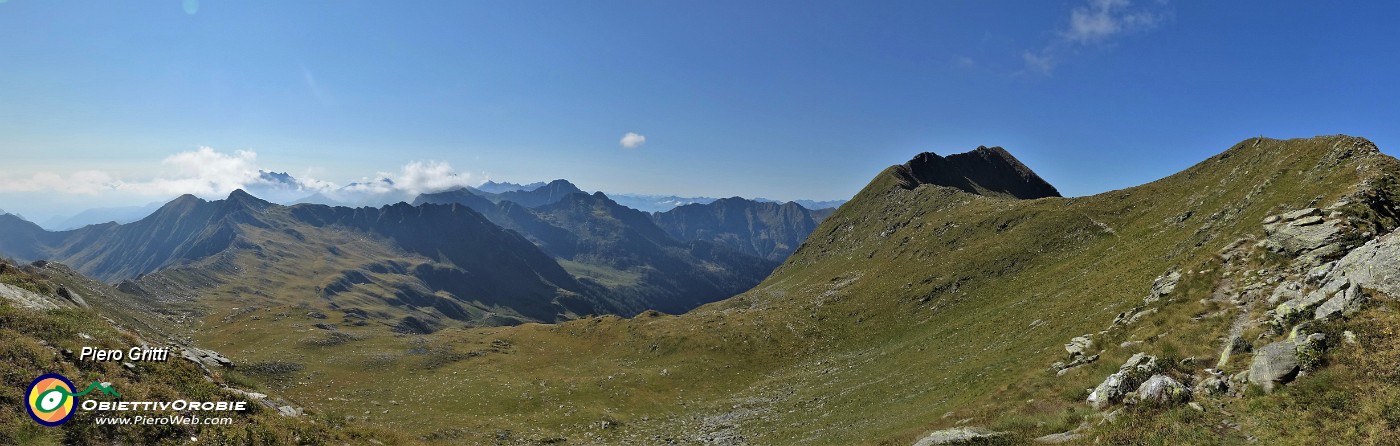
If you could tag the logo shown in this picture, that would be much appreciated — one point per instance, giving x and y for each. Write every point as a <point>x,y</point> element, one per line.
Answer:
<point>51,398</point>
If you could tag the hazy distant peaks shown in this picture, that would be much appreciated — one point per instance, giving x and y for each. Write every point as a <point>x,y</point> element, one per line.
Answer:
<point>496,188</point>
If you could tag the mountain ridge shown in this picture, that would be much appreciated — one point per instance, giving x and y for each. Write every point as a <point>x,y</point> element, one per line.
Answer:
<point>764,229</point>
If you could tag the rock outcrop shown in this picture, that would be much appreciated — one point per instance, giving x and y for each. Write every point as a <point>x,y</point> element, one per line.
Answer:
<point>1129,376</point>
<point>1375,265</point>
<point>1275,364</point>
<point>1162,286</point>
<point>960,435</point>
<point>1162,389</point>
<point>1310,235</point>
<point>1080,345</point>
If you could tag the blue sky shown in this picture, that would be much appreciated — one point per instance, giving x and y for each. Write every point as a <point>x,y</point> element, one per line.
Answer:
<point>105,103</point>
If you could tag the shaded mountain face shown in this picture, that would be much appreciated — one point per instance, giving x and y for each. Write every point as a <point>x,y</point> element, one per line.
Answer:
<point>183,230</point>
<point>623,251</point>
<point>763,229</point>
<point>432,263</point>
<point>984,171</point>
<point>21,239</point>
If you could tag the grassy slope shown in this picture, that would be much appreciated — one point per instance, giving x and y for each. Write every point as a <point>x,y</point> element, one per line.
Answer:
<point>33,344</point>
<point>1033,274</point>
<point>905,311</point>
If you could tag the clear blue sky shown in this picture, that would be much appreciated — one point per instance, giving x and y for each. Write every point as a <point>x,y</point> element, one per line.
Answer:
<point>804,99</point>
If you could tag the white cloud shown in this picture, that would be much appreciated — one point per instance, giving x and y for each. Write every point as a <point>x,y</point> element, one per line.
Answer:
<point>84,182</point>
<point>1096,22</point>
<point>202,172</point>
<point>417,177</point>
<point>1039,62</point>
<point>212,174</point>
<point>632,140</point>
<point>1101,19</point>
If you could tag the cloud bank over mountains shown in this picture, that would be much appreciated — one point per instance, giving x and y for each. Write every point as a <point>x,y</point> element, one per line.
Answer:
<point>210,173</point>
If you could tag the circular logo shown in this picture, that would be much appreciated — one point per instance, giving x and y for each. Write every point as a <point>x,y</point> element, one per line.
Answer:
<point>51,399</point>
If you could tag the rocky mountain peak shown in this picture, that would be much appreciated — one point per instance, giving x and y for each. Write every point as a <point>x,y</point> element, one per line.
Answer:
<point>984,171</point>
<point>239,197</point>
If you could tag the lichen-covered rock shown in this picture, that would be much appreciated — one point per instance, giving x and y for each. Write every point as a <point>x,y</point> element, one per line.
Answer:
<point>1162,389</point>
<point>1129,376</point>
<point>1275,364</point>
<point>1304,307</point>
<point>1299,308</point>
<point>1061,368</point>
<point>1345,303</point>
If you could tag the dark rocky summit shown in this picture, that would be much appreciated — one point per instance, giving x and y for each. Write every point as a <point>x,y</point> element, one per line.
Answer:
<point>984,171</point>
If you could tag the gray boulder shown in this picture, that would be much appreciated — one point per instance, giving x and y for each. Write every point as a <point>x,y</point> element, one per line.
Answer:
<point>1213,385</point>
<point>1162,389</point>
<point>72,296</point>
<point>1163,285</point>
<point>1129,376</point>
<point>1080,345</point>
<point>1275,364</point>
<point>205,358</point>
<point>960,435</point>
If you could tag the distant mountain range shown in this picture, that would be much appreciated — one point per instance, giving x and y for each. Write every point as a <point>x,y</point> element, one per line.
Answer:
<point>493,187</point>
<point>763,229</point>
<point>663,203</point>
<point>283,188</point>
<point>616,247</point>
<point>539,252</point>
<point>416,268</point>
<point>123,214</point>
